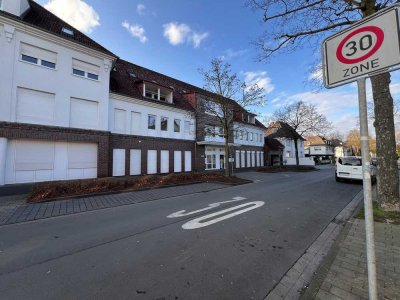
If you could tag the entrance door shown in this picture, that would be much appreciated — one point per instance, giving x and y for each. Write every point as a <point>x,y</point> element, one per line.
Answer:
<point>222,161</point>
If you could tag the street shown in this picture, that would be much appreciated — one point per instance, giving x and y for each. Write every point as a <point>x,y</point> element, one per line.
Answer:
<point>163,249</point>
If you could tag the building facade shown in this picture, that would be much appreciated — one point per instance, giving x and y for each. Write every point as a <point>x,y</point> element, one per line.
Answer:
<point>320,149</point>
<point>287,137</point>
<point>71,109</point>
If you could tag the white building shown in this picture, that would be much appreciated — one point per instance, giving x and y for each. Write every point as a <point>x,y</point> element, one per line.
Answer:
<point>287,136</point>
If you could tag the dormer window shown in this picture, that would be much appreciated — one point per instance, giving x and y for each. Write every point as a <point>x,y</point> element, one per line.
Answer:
<point>156,92</point>
<point>67,31</point>
<point>251,119</point>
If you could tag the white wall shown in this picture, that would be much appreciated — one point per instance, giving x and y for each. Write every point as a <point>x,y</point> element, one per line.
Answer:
<point>290,148</point>
<point>58,82</point>
<point>304,161</point>
<point>258,135</point>
<point>321,150</point>
<point>122,116</point>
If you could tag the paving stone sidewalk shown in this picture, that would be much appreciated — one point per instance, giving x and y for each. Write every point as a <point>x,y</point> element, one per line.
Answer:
<point>13,210</point>
<point>347,275</point>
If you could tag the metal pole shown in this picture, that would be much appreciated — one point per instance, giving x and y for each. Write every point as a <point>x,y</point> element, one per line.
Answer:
<point>366,167</point>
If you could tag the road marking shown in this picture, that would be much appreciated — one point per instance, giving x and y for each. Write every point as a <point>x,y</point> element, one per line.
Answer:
<point>196,223</point>
<point>183,213</point>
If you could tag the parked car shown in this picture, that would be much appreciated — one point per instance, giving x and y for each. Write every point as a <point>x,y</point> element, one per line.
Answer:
<point>350,168</point>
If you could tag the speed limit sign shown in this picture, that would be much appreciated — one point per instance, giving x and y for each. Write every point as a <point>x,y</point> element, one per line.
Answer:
<point>368,47</point>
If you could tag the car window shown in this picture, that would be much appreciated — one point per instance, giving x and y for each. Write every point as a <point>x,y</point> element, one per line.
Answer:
<point>350,161</point>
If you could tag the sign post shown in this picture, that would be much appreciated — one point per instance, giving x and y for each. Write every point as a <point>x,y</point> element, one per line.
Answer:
<point>369,47</point>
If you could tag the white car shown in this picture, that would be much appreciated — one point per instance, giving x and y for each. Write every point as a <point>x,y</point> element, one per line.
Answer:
<point>350,168</point>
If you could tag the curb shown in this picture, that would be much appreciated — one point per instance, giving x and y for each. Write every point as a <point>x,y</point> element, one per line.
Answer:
<point>298,277</point>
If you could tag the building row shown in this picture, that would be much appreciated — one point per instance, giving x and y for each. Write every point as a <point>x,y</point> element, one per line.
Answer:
<point>71,109</point>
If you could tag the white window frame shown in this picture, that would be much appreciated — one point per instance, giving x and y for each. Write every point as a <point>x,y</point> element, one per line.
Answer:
<point>157,93</point>
<point>39,61</point>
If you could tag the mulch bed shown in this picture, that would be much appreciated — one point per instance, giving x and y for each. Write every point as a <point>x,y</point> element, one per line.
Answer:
<point>276,169</point>
<point>59,189</point>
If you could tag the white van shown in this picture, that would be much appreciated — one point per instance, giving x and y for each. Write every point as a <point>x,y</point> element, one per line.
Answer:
<point>350,168</point>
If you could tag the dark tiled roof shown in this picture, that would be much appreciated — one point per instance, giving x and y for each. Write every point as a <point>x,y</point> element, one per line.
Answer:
<point>123,83</point>
<point>282,130</point>
<point>273,144</point>
<point>41,18</point>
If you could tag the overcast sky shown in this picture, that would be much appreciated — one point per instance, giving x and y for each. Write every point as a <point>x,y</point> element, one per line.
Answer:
<point>177,37</point>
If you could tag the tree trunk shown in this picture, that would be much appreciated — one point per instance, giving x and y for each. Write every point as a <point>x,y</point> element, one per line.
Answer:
<point>387,170</point>
<point>296,148</point>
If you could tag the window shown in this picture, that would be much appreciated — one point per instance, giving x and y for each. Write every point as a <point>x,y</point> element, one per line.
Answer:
<point>187,127</point>
<point>221,131</point>
<point>247,136</point>
<point>136,120</point>
<point>157,93</point>
<point>35,107</point>
<point>241,134</point>
<point>38,56</point>
<point>212,108</point>
<point>67,31</point>
<point>151,122</point>
<point>211,161</point>
<point>1,4</point>
<point>83,69</point>
<point>151,93</point>
<point>84,113</point>
<point>119,120</point>
<point>177,125</point>
<point>164,123</point>
<point>251,136</point>
<point>287,154</point>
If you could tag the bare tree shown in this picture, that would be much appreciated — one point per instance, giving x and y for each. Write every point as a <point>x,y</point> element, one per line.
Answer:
<point>305,120</point>
<point>231,97</point>
<point>298,23</point>
<point>335,135</point>
<point>353,140</point>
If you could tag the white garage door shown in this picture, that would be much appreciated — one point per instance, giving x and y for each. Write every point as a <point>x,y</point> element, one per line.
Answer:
<point>118,162</point>
<point>237,159</point>
<point>151,161</point>
<point>177,161</point>
<point>164,161</point>
<point>136,162</point>
<point>35,161</point>
<point>188,161</point>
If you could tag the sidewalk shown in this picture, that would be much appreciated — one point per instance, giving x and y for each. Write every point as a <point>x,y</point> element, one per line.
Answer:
<point>14,210</point>
<point>346,278</point>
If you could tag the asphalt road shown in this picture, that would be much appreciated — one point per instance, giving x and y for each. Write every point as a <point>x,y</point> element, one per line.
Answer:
<point>136,252</point>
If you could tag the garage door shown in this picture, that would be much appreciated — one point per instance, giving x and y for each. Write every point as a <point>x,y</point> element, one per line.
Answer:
<point>35,161</point>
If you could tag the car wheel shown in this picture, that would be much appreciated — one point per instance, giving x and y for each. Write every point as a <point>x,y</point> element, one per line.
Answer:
<point>337,178</point>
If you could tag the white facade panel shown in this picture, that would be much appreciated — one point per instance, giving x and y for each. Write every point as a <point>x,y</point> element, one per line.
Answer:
<point>177,161</point>
<point>84,114</point>
<point>35,107</point>
<point>248,159</point>
<point>164,161</point>
<point>188,161</point>
<point>151,161</point>
<point>35,161</point>
<point>135,162</point>
<point>243,159</point>
<point>138,112</point>
<point>118,162</point>
<point>237,159</point>
<point>253,158</point>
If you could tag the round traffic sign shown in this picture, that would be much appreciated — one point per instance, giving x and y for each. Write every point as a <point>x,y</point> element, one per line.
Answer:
<point>360,44</point>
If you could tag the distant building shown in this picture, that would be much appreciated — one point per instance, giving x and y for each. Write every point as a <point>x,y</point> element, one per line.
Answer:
<point>287,136</point>
<point>319,148</point>
<point>341,149</point>
<point>273,150</point>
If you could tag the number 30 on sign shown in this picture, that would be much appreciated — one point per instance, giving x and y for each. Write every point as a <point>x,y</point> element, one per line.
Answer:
<point>368,47</point>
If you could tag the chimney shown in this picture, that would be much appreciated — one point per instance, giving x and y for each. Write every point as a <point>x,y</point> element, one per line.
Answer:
<point>15,7</point>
